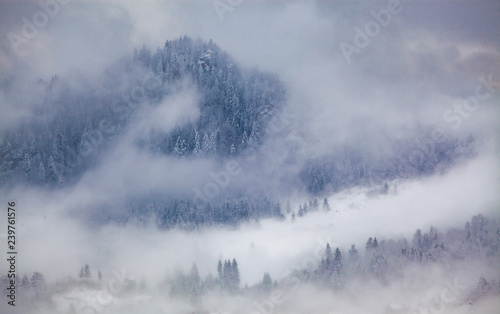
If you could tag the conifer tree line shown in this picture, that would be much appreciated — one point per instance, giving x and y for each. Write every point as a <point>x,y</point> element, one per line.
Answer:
<point>381,260</point>
<point>34,288</point>
<point>84,272</point>
<point>187,215</point>
<point>228,275</point>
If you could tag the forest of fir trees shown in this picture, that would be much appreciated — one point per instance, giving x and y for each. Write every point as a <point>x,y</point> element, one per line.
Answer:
<point>383,261</point>
<point>236,106</point>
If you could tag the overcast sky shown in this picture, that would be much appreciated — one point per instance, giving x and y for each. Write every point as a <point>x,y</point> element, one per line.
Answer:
<point>425,58</point>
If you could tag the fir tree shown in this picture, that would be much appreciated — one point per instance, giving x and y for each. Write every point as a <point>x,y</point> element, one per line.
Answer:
<point>326,206</point>
<point>301,211</point>
<point>55,150</point>
<point>226,275</point>
<point>277,211</point>
<point>41,172</point>
<point>369,243</point>
<point>52,175</point>
<point>197,152</point>
<point>353,253</point>
<point>235,276</point>
<point>244,139</point>
<point>180,147</point>
<point>219,271</point>
<point>328,260</point>
<point>378,265</point>
<point>213,144</point>
<point>25,283</point>
<point>337,261</point>
<point>86,271</point>
<point>206,145</point>
<point>38,281</point>
<point>253,138</point>
<point>194,282</point>
<point>27,165</point>
<point>417,239</point>
<point>267,283</point>
<point>61,180</point>
<point>85,146</point>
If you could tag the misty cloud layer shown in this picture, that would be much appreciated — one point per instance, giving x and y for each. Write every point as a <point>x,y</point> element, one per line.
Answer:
<point>432,71</point>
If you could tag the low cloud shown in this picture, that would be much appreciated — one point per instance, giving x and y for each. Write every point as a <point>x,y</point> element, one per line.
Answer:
<point>415,75</point>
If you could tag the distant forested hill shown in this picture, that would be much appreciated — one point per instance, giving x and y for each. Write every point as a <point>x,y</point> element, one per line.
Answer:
<point>78,118</point>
